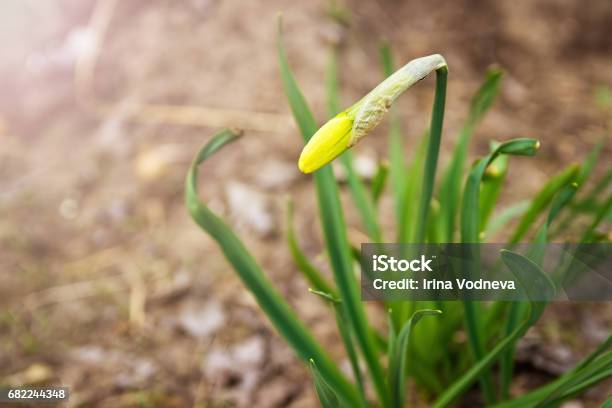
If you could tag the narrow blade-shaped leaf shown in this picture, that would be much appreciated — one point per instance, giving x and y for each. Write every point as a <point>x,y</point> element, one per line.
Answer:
<point>450,185</point>
<point>499,221</point>
<point>310,272</point>
<point>543,199</point>
<point>536,254</point>
<point>379,181</point>
<point>601,214</point>
<point>398,360</point>
<point>585,172</point>
<point>332,222</point>
<point>525,271</point>
<point>397,165</point>
<point>412,188</point>
<point>431,157</point>
<point>470,233</point>
<point>345,333</point>
<point>594,368</point>
<point>492,184</point>
<point>327,396</point>
<point>271,302</point>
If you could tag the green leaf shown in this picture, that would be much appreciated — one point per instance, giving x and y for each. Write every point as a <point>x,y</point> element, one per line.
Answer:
<point>433,232</point>
<point>492,184</point>
<point>450,185</point>
<point>560,201</point>
<point>398,358</point>
<point>332,84</point>
<point>269,300</point>
<point>582,178</point>
<point>327,397</point>
<point>605,345</point>
<point>580,380</point>
<point>406,228</point>
<point>593,369</point>
<point>379,181</point>
<point>392,335</point>
<point>589,163</point>
<point>536,254</point>
<point>592,198</point>
<point>413,179</point>
<point>310,272</point>
<point>584,380</point>
<point>542,199</point>
<point>485,96</point>
<point>345,334</point>
<point>504,217</point>
<point>431,158</point>
<point>470,215</point>
<point>470,233</point>
<point>363,201</point>
<point>397,166</point>
<point>586,383</point>
<point>408,224</point>
<point>589,234</point>
<point>334,228</point>
<point>534,282</point>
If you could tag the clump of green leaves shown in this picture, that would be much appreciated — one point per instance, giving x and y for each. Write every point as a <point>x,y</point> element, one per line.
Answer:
<point>462,206</point>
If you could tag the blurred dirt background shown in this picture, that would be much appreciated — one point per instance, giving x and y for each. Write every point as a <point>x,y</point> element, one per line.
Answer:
<point>106,286</point>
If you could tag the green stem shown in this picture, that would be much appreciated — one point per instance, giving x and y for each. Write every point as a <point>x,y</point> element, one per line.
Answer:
<point>431,161</point>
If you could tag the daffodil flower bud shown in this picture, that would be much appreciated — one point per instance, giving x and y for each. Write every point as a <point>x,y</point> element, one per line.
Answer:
<point>347,128</point>
<point>329,142</point>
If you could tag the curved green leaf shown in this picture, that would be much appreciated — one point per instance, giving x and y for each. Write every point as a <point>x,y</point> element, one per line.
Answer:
<point>470,233</point>
<point>270,301</point>
<point>470,214</point>
<point>492,184</point>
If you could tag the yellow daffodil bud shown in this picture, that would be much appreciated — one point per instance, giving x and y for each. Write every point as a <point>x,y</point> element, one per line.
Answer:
<point>347,128</point>
<point>331,139</point>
